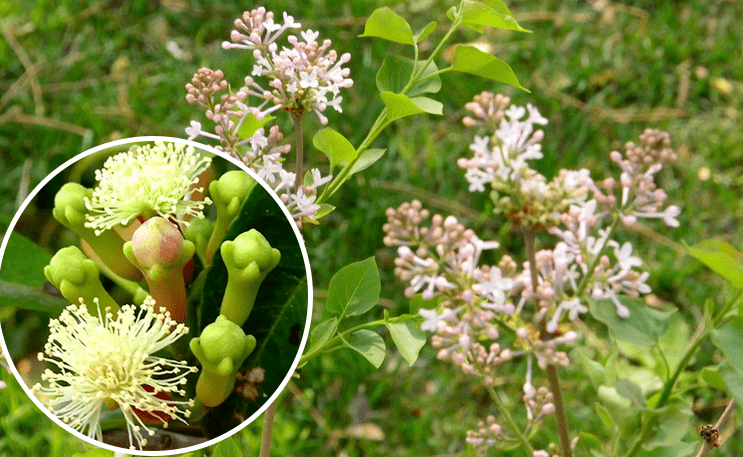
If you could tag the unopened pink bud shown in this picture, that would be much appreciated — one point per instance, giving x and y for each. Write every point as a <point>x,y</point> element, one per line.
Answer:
<point>157,241</point>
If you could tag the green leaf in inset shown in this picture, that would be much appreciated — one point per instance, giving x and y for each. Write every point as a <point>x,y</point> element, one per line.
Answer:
<point>407,335</point>
<point>399,106</point>
<point>335,146</point>
<point>721,257</point>
<point>643,326</point>
<point>395,73</point>
<point>25,297</point>
<point>354,289</point>
<point>227,448</point>
<point>427,30</point>
<point>470,60</point>
<point>321,333</point>
<point>366,159</point>
<point>729,339</point>
<point>629,389</point>
<point>587,446</point>
<point>24,262</point>
<point>368,344</point>
<point>492,13</point>
<point>383,23</point>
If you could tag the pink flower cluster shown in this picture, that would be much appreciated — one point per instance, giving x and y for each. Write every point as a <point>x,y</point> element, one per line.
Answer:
<point>305,77</point>
<point>486,315</point>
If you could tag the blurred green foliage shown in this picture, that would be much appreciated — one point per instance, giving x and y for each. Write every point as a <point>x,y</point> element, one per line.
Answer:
<point>75,74</point>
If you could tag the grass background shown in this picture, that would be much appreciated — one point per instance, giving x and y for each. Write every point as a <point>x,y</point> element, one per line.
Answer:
<point>76,74</point>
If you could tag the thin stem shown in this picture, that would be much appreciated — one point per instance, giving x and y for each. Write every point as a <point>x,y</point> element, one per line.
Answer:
<point>511,423</point>
<point>589,271</point>
<point>711,444</point>
<point>552,375</point>
<point>299,147</point>
<point>268,417</point>
<point>336,342</point>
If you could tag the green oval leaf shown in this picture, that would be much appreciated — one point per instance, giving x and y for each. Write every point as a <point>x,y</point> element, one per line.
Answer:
<point>734,381</point>
<point>588,445</point>
<point>729,339</point>
<point>251,124</point>
<point>427,30</point>
<point>470,60</point>
<point>369,344</point>
<point>335,146</point>
<point>383,23</point>
<point>365,160</point>
<point>721,257</point>
<point>407,335</point>
<point>629,389</point>
<point>395,73</point>
<point>321,333</point>
<point>492,13</point>
<point>643,326</point>
<point>227,448</point>
<point>399,106</point>
<point>354,289</point>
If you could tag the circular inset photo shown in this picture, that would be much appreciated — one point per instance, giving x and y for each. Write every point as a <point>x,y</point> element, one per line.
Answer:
<point>159,295</point>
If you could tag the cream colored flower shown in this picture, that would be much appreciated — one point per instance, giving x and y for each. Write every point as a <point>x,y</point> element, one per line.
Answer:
<point>109,362</point>
<point>147,181</point>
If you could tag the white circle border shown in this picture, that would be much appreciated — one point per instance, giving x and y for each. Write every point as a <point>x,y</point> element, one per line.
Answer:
<point>300,240</point>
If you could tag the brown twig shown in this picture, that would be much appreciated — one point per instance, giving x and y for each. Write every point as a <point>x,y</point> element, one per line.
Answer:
<point>712,434</point>
<point>268,417</point>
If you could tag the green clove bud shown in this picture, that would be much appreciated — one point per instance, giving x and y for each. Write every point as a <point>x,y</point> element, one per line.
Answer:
<point>228,193</point>
<point>248,258</point>
<point>222,348</point>
<point>70,211</point>
<point>77,276</point>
